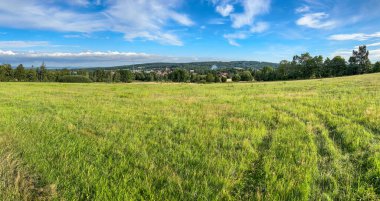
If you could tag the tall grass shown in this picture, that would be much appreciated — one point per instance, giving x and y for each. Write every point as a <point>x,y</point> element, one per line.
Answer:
<point>298,140</point>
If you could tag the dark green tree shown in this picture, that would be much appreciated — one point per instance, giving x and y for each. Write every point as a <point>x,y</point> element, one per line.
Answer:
<point>236,78</point>
<point>194,78</point>
<point>31,75</point>
<point>338,66</point>
<point>20,73</point>
<point>210,77</point>
<point>246,76</point>
<point>126,76</point>
<point>283,70</point>
<point>217,79</point>
<point>116,77</point>
<point>266,74</point>
<point>179,75</point>
<point>42,73</point>
<point>360,60</point>
<point>376,67</point>
<point>6,73</point>
<point>327,70</point>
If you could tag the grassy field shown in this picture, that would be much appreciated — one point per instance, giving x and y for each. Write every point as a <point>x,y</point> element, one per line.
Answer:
<point>298,140</point>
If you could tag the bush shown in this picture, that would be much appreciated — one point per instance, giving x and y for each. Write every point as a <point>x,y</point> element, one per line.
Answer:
<point>246,76</point>
<point>236,78</point>
<point>74,79</point>
<point>210,78</point>
<point>376,67</point>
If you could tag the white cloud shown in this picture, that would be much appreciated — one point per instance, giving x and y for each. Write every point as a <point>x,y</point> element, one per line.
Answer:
<point>303,9</point>
<point>259,27</point>
<point>164,38</point>
<point>231,38</point>
<point>23,44</point>
<point>34,14</point>
<point>225,10</point>
<point>7,53</point>
<point>88,59</point>
<point>375,55</point>
<point>125,16</point>
<point>256,28</point>
<point>245,19</point>
<point>373,45</point>
<point>354,36</point>
<point>252,8</point>
<point>316,21</point>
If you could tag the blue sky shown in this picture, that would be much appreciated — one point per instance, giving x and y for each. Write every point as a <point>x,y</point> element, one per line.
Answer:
<point>116,32</point>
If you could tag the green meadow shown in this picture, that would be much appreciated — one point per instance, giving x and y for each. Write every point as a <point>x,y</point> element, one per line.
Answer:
<point>295,140</point>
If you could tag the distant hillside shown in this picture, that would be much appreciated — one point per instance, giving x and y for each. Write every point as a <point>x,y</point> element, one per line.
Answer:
<point>195,65</point>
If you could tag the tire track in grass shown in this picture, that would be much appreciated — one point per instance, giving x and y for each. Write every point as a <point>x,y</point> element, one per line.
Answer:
<point>353,119</point>
<point>291,161</point>
<point>17,183</point>
<point>287,162</point>
<point>252,185</point>
<point>363,149</point>
<point>282,172</point>
<point>356,141</point>
<point>333,182</point>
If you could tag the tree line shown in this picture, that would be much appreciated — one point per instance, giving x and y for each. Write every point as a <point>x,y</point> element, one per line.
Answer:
<point>305,66</point>
<point>302,66</point>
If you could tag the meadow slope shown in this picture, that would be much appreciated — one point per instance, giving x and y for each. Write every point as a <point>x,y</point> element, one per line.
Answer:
<point>297,140</point>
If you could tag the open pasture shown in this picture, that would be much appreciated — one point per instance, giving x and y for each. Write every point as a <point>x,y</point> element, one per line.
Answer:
<point>296,140</point>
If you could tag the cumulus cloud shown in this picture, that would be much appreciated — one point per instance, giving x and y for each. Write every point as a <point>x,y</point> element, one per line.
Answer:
<point>316,21</point>
<point>225,10</point>
<point>129,17</point>
<point>252,8</point>
<point>354,36</point>
<point>245,19</point>
<point>87,59</point>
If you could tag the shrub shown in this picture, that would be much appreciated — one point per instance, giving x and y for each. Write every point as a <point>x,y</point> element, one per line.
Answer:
<point>246,76</point>
<point>376,67</point>
<point>74,79</point>
<point>236,78</point>
<point>210,78</point>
